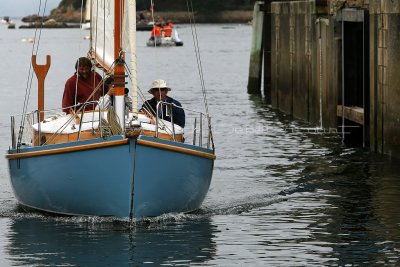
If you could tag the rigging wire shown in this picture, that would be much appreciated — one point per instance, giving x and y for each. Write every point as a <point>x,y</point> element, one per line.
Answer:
<point>79,49</point>
<point>153,22</point>
<point>197,50</point>
<point>77,75</point>
<point>200,68</point>
<point>30,72</point>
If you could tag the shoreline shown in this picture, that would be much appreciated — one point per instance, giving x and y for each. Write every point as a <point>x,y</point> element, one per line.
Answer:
<point>175,17</point>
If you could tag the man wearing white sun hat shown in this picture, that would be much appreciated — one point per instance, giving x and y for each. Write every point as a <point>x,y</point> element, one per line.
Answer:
<point>159,89</point>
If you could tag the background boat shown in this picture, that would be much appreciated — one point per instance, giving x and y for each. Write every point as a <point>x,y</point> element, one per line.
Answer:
<point>174,40</point>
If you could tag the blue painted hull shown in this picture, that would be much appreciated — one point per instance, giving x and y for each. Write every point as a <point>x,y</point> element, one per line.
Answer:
<point>126,180</point>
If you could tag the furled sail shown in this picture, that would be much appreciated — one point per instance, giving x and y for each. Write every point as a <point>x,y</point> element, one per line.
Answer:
<point>102,32</point>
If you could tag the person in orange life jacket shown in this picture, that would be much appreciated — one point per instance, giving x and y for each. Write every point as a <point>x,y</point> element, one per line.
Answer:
<point>156,32</point>
<point>159,90</point>
<point>168,29</point>
<point>80,87</point>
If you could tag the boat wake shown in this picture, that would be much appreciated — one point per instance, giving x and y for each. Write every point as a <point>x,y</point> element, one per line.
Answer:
<point>244,205</point>
<point>16,211</point>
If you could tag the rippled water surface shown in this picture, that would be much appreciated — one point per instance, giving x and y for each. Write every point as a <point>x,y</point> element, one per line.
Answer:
<point>282,194</point>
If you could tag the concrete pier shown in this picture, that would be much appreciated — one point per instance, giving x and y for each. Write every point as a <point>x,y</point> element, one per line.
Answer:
<point>254,83</point>
<point>385,76</point>
<point>335,64</point>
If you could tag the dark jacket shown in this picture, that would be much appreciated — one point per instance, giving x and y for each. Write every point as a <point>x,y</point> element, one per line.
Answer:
<point>177,113</point>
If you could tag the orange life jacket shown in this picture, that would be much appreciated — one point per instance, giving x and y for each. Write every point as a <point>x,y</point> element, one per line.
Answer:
<point>167,31</point>
<point>156,32</point>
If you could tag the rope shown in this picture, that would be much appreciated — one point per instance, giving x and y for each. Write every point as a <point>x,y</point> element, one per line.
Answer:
<point>111,126</point>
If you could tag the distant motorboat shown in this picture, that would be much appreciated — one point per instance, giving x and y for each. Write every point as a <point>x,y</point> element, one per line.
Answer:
<point>5,20</point>
<point>144,25</point>
<point>174,40</point>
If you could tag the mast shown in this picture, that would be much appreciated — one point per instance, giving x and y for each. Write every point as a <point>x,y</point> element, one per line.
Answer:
<point>119,71</point>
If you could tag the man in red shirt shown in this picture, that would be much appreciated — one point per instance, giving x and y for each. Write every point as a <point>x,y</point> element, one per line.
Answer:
<point>81,87</point>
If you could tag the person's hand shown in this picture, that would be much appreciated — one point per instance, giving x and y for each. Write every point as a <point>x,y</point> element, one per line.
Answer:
<point>111,91</point>
<point>148,115</point>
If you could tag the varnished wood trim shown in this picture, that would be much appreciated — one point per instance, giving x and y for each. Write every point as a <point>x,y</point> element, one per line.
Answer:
<point>176,149</point>
<point>67,149</point>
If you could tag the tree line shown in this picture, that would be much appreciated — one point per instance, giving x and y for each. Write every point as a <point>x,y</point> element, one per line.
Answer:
<point>178,5</point>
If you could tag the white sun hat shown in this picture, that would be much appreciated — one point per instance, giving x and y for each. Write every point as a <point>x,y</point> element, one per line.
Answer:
<point>158,84</point>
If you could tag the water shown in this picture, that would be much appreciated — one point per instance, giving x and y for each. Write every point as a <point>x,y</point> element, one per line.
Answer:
<point>281,194</point>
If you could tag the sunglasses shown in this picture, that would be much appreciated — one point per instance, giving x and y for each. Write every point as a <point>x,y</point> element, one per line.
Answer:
<point>161,89</point>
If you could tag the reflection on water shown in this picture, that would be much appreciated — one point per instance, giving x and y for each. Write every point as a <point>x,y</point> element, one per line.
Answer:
<point>285,198</point>
<point>40,241</point>
<point>301,198</point>
<point>346,198</point>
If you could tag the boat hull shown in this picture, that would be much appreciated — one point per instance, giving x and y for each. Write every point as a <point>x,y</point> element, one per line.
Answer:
<point>163,42</point>
<point>122,177</point>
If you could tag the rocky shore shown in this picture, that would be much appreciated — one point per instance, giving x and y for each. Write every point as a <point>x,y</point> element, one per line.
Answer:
<point>64,17</point>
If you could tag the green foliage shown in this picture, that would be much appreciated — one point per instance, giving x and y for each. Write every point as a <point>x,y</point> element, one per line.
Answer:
<point>75,4</point>
<point>204,5</point>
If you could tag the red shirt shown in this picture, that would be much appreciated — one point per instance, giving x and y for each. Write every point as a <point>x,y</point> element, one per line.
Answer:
<point>84,89</point>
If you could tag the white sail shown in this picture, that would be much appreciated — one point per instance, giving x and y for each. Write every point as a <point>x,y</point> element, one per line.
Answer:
<point>129,43</point>
<point>102,44</point>
<point>102,32</point>
<point>129,27</point>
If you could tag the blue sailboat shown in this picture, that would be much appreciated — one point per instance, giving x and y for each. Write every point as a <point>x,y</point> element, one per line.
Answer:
<point>73,164</point>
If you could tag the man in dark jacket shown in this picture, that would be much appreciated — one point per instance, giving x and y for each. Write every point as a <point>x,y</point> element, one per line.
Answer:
<point>159,90</point>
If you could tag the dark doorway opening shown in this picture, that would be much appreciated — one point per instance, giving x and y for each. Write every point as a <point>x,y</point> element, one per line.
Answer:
<point>355,98</point>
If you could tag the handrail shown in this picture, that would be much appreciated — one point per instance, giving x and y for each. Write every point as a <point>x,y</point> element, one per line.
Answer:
<point>82,113</point>
<point>200,138</point>
<point>168,107</point>
<point>200,116</point>
<point>201,130</point>
<point>39,129</point>
<point>13,141</point>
